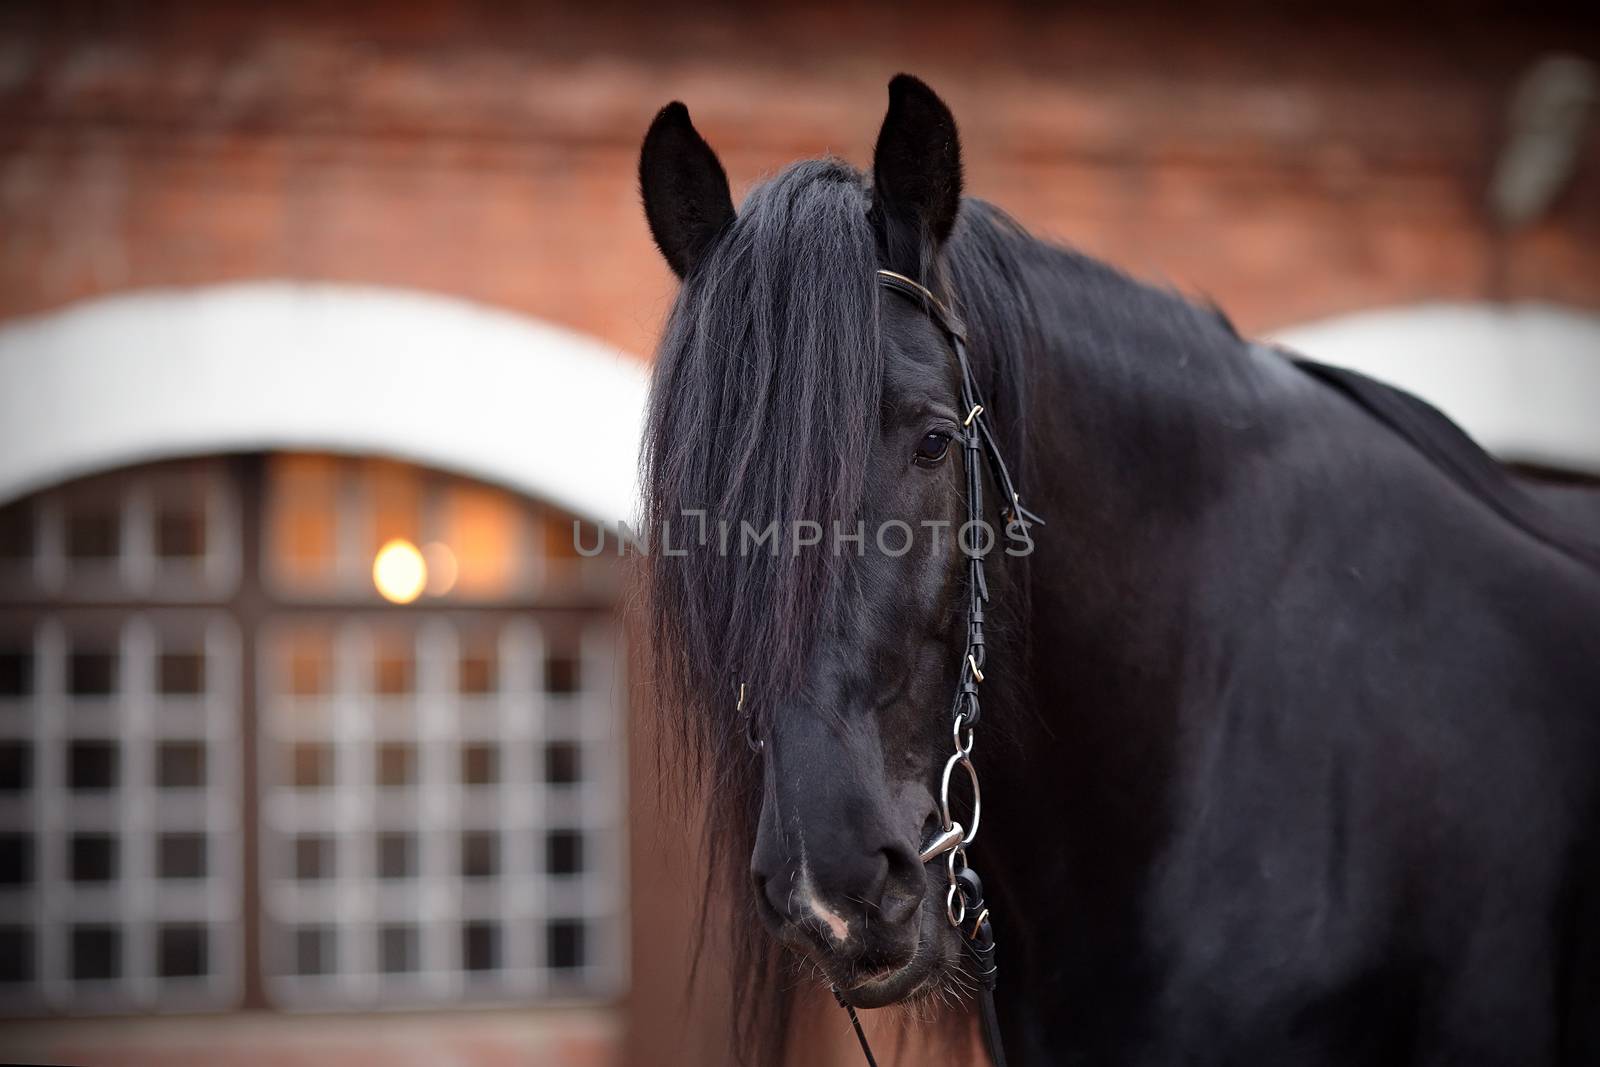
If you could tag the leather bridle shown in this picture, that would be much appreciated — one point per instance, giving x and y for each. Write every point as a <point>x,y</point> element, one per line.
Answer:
<point>964,904</point>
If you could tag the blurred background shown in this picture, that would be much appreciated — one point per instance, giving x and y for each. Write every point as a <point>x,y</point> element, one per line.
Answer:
<point>320,323</point>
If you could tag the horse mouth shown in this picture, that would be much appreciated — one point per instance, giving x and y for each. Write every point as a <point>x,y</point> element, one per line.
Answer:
<point>894,983</point>
<point>891,986</point>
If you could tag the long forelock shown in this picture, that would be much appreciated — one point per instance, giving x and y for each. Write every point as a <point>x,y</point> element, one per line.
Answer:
<point>764,406</point>
<point>763,409</point>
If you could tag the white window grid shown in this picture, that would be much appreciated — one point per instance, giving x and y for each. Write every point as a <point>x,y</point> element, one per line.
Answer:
<point>531,910</point>
<point>135,907</point>
<point>136,571</point>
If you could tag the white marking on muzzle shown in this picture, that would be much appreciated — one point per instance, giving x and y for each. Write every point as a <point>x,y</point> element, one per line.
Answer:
<point>838,927</point>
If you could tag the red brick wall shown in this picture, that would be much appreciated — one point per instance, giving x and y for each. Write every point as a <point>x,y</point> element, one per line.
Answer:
<point>1290,166</point>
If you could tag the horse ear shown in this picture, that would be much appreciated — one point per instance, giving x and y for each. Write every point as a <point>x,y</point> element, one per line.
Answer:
<point>684,188</point>
<point>916,173</point>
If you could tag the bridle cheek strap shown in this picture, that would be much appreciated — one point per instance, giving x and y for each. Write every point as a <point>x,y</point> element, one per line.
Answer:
<point>964,904</point>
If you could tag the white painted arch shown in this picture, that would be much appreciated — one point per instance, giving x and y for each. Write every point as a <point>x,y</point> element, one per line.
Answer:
<point>342,368</point>
<point>1523,379</point>
<point>547,412</point>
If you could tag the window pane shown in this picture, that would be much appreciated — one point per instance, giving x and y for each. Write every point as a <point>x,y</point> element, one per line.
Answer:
<point>563,852</point>
<point>94,857</point>
<point>181,673</point>
<point>182,950</point>
<point>16,532</point>
<point>94,535</point>
<point>479,670</point>
<point>398,947</point>
<point>561,673</point>
<point>397,764</point>
<point>393,667</point>
<point>92,672</point>
<point>314,950</point>
<point>16,859</point>
<point>480,765</point>
<point>314,857</point>
<point>309,662</point>
<point>484,528</point>
<point>562,764</point>
<point>181,765</point>
<point>16,672</point>
<point>313,765</point>
<point>304,519</point>
<point>16,954</point>
<point>180,533</point>
<point>480,854</point>
<point>92,765</point>
<point>480,946</point>
<point>181,856</point>
<point>564,944</point>
<point>16,766</point>
<point>397,855</point>
<point>96,952</point>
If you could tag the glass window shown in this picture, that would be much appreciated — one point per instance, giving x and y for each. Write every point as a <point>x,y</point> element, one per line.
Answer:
<point>314,857</point>
<point>96,952</point>
<point>309,659</point>
<point>181,855</point>
<point>92,765</point>
<point>16,859</point>
<point>180,532</point>
<point>562,763</point>
<point>564,944</point>
<point>94,534</point>
<point>394,667</point>
<point>304,512</point>
<point>94,857</point>
<point>480,854</point>
<point>399,945</point>
<point>563,852</point>
<point>16,672</point>
<point>561,673</point>
<point>181,765</point>
<point>313,765</point>
<point>16,532</point>
<point>397,855</point>
<point>373,720</point>
<point>478,668</point>
<point>181,673</point>
<point>16,766</point>
<point>397,763</point>
<point>315,950</point>
<point>92,672</point>
<point>182,950</point>
<point>480,946</point>
<point>480,764</point>
<point>16,954</point>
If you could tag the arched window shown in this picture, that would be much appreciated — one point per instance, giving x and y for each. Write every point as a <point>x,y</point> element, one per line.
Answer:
<point>304,730</point>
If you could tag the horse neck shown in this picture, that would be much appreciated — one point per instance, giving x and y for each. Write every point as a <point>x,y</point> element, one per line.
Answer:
<point>1137,416</point>
<point>1136,412</point>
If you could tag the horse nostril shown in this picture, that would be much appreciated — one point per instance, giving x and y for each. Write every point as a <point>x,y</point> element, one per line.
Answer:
<point>903,885</point>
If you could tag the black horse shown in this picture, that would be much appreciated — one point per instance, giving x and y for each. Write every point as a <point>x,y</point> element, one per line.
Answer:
<point>1291,736</point>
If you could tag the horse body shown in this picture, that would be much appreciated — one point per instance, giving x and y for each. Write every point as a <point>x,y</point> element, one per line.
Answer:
<point>1323,725</point>
<point>1291,741</point>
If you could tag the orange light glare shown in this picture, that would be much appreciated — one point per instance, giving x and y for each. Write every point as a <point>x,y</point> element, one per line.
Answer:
<point>442,568</point>
<point>399,571</point>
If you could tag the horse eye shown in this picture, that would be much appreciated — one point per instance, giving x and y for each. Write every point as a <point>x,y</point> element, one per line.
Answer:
<point>931,449</point>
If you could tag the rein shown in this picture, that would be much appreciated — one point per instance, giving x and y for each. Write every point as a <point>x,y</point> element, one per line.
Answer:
<point>964,903</point>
